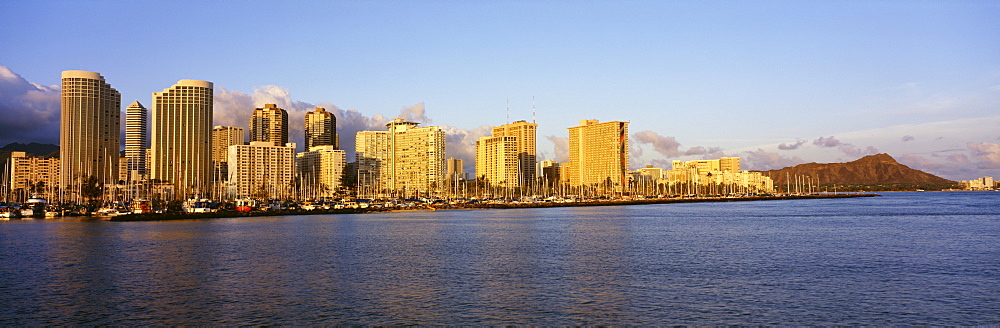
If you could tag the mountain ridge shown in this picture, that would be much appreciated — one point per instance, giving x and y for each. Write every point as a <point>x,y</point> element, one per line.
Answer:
<point>872,172</point>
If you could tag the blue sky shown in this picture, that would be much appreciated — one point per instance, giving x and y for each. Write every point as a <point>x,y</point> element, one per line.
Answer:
<point>919,80</point>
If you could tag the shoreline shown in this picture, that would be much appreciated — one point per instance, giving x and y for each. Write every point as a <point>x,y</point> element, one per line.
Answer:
<point>229,214</point>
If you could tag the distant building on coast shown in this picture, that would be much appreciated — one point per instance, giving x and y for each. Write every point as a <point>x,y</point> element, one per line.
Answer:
<point>984,183</point>
<point>724,171</point>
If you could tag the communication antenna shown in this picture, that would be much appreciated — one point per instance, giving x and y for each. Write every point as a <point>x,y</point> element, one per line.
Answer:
<point>532,109</point>
<point>508,110</point>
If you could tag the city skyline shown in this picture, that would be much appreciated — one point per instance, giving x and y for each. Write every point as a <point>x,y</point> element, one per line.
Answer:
<point>777,84</point>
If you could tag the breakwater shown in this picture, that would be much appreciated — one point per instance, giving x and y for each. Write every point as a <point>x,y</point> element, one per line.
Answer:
<point>481,205</point>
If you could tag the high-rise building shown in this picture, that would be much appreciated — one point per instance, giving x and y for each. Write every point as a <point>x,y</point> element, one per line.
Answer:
<point>729,164</point>
<point>496,161</point>
<point>549,172</point>
<point>454,174</point>
<point>598,154</point>
<point>222,138</point>
<point>30,175</point>
<point>182,139</point>
<point>508,157</point>
<point>404,158</point>
<point>88,132</point>
<point>320,171</point>
<point>269,124</point>
<point>455,170</point>
<point>321,129</point>
<point>261,170</point>
<point>136,140</point>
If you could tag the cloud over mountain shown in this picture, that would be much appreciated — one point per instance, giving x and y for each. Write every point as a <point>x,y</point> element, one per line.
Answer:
<point>793,146</point>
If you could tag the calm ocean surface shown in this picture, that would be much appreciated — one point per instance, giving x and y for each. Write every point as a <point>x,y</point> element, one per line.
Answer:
<point>901,259</point>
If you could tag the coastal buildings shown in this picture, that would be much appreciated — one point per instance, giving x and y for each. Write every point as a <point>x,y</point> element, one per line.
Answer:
<point>222,138</point>
<point>320,171</point>
<point>136,141</point>
<point>718,172</point>
<point>181,142</point>
<point>984,183</point>
<point>88,132</point>
<point>598,154</point>
<point>269,124</point>
<point>405,158</point>
<point>261,170</point>
<point>507,158</point>
<point>30,175</point>
<point>321,129</point>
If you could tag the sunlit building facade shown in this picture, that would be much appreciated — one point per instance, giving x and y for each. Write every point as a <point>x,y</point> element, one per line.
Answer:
<point>261,170</point>
<point>508,157</point>
<point>320,171</point>
<point>31,175</point>
<point>136,141</point>
<point>89,130</point>
<point>321,129</point>
<point>181,144</point>
<point>405,158</point>
<point>222,138</point>
<point>269,124</point>
<point>598,154</point>
<point>724,171</point>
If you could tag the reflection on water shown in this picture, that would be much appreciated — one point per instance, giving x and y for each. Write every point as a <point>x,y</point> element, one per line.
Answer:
<point>903,259</point>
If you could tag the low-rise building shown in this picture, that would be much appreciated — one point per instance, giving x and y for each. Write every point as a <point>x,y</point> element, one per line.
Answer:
<point>320,171</point>
<point>261,170</point>
<point>30,175</point>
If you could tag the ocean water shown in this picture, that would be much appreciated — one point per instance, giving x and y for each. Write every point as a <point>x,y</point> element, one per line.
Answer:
<point>928,258</point>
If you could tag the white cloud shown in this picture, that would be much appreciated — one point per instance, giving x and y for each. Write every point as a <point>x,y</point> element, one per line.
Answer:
<point>30,111</point>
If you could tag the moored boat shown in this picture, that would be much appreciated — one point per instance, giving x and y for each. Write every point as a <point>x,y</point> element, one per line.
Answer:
<point>195,205</point>
<point>141,206</point>
<point>9,211</point>
<point>36,205</point>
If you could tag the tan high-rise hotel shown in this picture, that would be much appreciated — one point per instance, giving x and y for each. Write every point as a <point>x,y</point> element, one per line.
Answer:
<point>88,131</point>
<point>598,153</point>
<point>182,138</point>
<point>508,157</point>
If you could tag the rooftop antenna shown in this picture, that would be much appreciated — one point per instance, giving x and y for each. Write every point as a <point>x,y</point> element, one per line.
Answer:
<point>508,110</point>
<point>532,109</point>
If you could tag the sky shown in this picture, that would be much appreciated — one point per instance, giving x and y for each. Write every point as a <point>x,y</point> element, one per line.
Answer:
<point>777,83</point>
